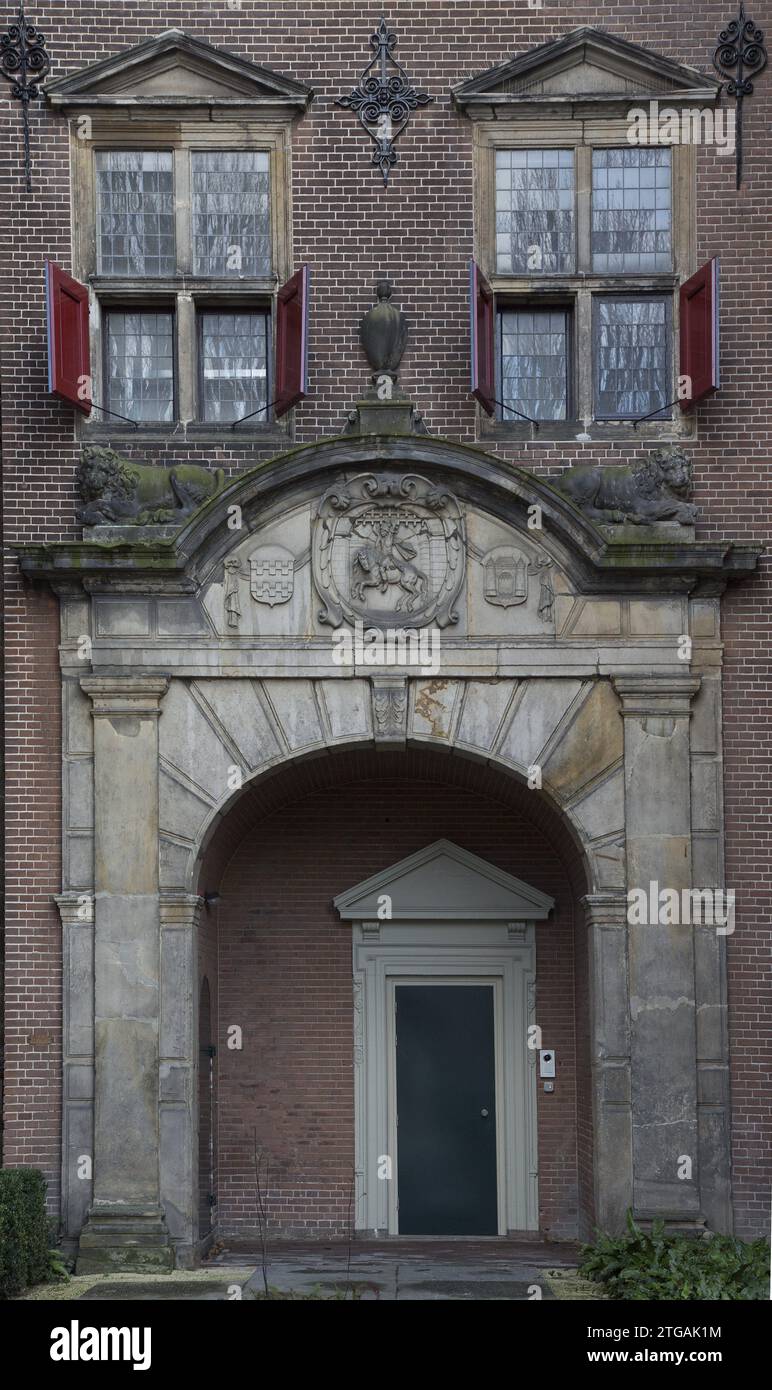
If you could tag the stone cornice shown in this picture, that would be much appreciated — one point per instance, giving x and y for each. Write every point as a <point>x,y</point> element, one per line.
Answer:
<point>599,562</point>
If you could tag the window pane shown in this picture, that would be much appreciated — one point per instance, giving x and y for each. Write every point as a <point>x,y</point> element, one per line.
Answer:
<point>534,211</point>
<point>140,365</point>
<point>231,217</point>
<point>135,212</point>
<point>234,362</point>
<point>534,363</point>
<point>632,357</point>
<point>631,215</point>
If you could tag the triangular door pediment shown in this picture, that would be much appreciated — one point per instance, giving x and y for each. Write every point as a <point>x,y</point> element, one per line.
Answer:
<point>444,883</point>
<point>177,69</point>
<point>587,66</point>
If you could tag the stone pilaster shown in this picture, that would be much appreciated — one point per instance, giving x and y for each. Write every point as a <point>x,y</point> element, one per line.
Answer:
<point>77,915</point>
<point>179,1062</point>
<point>661,968</point>
<point>126,1227</point>
<point>606,915</point>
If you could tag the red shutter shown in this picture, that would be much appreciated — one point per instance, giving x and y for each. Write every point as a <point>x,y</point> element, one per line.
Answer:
<point>481,325</point>
<point>69,370</point>
<point>698,312</point>
<point>292,342</point>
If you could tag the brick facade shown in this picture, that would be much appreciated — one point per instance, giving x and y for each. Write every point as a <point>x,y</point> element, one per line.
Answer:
<point>420,232</point>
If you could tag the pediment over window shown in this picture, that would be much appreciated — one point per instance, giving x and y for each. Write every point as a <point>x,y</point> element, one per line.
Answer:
<point>444,883</point>
<point>176,71</point>
<point>589,69</point>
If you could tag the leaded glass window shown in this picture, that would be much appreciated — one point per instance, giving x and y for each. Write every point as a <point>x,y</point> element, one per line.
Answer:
<point>140,365</point>
<point>534,363</point>
<point>234,365</point>
<point>135,212</point>
<point>632,357</point>
<point>231,213</point>
<point>631,211</point>
<point>535,195</point>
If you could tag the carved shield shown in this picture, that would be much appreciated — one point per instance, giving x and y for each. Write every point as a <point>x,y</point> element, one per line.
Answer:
<point>506,577</point>
<point>271,574</point>
<point>389,549</point>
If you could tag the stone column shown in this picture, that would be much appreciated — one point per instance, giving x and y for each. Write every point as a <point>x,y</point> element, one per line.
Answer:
<point>126,1227</point>
<point>656,711</point>
<point>606,914</point>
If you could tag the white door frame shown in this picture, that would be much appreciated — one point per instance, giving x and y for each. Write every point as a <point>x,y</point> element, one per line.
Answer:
<point>387,952</point>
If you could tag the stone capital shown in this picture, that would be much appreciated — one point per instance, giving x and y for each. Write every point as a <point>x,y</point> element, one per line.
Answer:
<point>606,909</point>
<point>668,696</point>
<point>75,909</point>
<point>180,909</point>
<point>139,696</point>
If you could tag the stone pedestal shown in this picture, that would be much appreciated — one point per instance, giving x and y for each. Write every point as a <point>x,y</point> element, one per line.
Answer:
<point>126,1227</point>
<point>124,1241</point>
<point>394,414</point>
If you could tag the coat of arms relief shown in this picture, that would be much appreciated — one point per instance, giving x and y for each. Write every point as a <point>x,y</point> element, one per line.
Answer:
<point>508,574</point>
<point>389,550</point>
<point>271,575</point>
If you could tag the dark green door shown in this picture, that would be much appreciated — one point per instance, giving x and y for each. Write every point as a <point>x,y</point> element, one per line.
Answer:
<point>446,1110</point>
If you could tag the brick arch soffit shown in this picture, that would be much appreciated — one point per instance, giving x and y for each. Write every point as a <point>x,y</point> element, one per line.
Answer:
<point>297,778</point>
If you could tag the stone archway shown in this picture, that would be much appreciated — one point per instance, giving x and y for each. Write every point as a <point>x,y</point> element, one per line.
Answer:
<point>563,662</point>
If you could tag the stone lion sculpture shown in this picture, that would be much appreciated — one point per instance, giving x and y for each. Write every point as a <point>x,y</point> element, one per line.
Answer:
<point>654,489</point>
<point>115,490</point>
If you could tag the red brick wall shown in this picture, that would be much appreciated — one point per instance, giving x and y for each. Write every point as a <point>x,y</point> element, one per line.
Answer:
<point>285,975</point>
<point>207,1089</point>
<point>584,1134</point>
<point>419,232</point>
<point>33,982</point>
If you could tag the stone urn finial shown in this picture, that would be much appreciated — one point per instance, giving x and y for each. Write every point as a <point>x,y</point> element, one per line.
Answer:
<point>383,334</point>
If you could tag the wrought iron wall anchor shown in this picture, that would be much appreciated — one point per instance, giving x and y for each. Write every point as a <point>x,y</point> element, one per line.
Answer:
<point>24,63</point>
<point>384,99</point>
<point>740,55</point>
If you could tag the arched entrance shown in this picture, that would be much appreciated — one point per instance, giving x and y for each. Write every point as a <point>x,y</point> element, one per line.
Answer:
<point>306,1095</point>
<point>216,674</point>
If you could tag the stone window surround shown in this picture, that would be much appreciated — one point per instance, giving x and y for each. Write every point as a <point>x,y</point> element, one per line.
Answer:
<point>183,292</point>
<point>577,290</point>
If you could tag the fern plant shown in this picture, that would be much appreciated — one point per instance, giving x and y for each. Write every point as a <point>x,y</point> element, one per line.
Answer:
<point>650,1265</point>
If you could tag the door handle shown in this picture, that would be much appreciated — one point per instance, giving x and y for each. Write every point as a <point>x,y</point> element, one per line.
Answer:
<point>484,1114</point>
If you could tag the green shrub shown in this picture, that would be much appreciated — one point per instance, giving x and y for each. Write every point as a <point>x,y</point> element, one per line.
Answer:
<point>644,1265</point>
<point>24,1256</point>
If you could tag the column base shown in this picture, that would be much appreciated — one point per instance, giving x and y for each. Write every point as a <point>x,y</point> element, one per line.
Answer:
<point>675,1225</point>
<point>124,1242</point>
